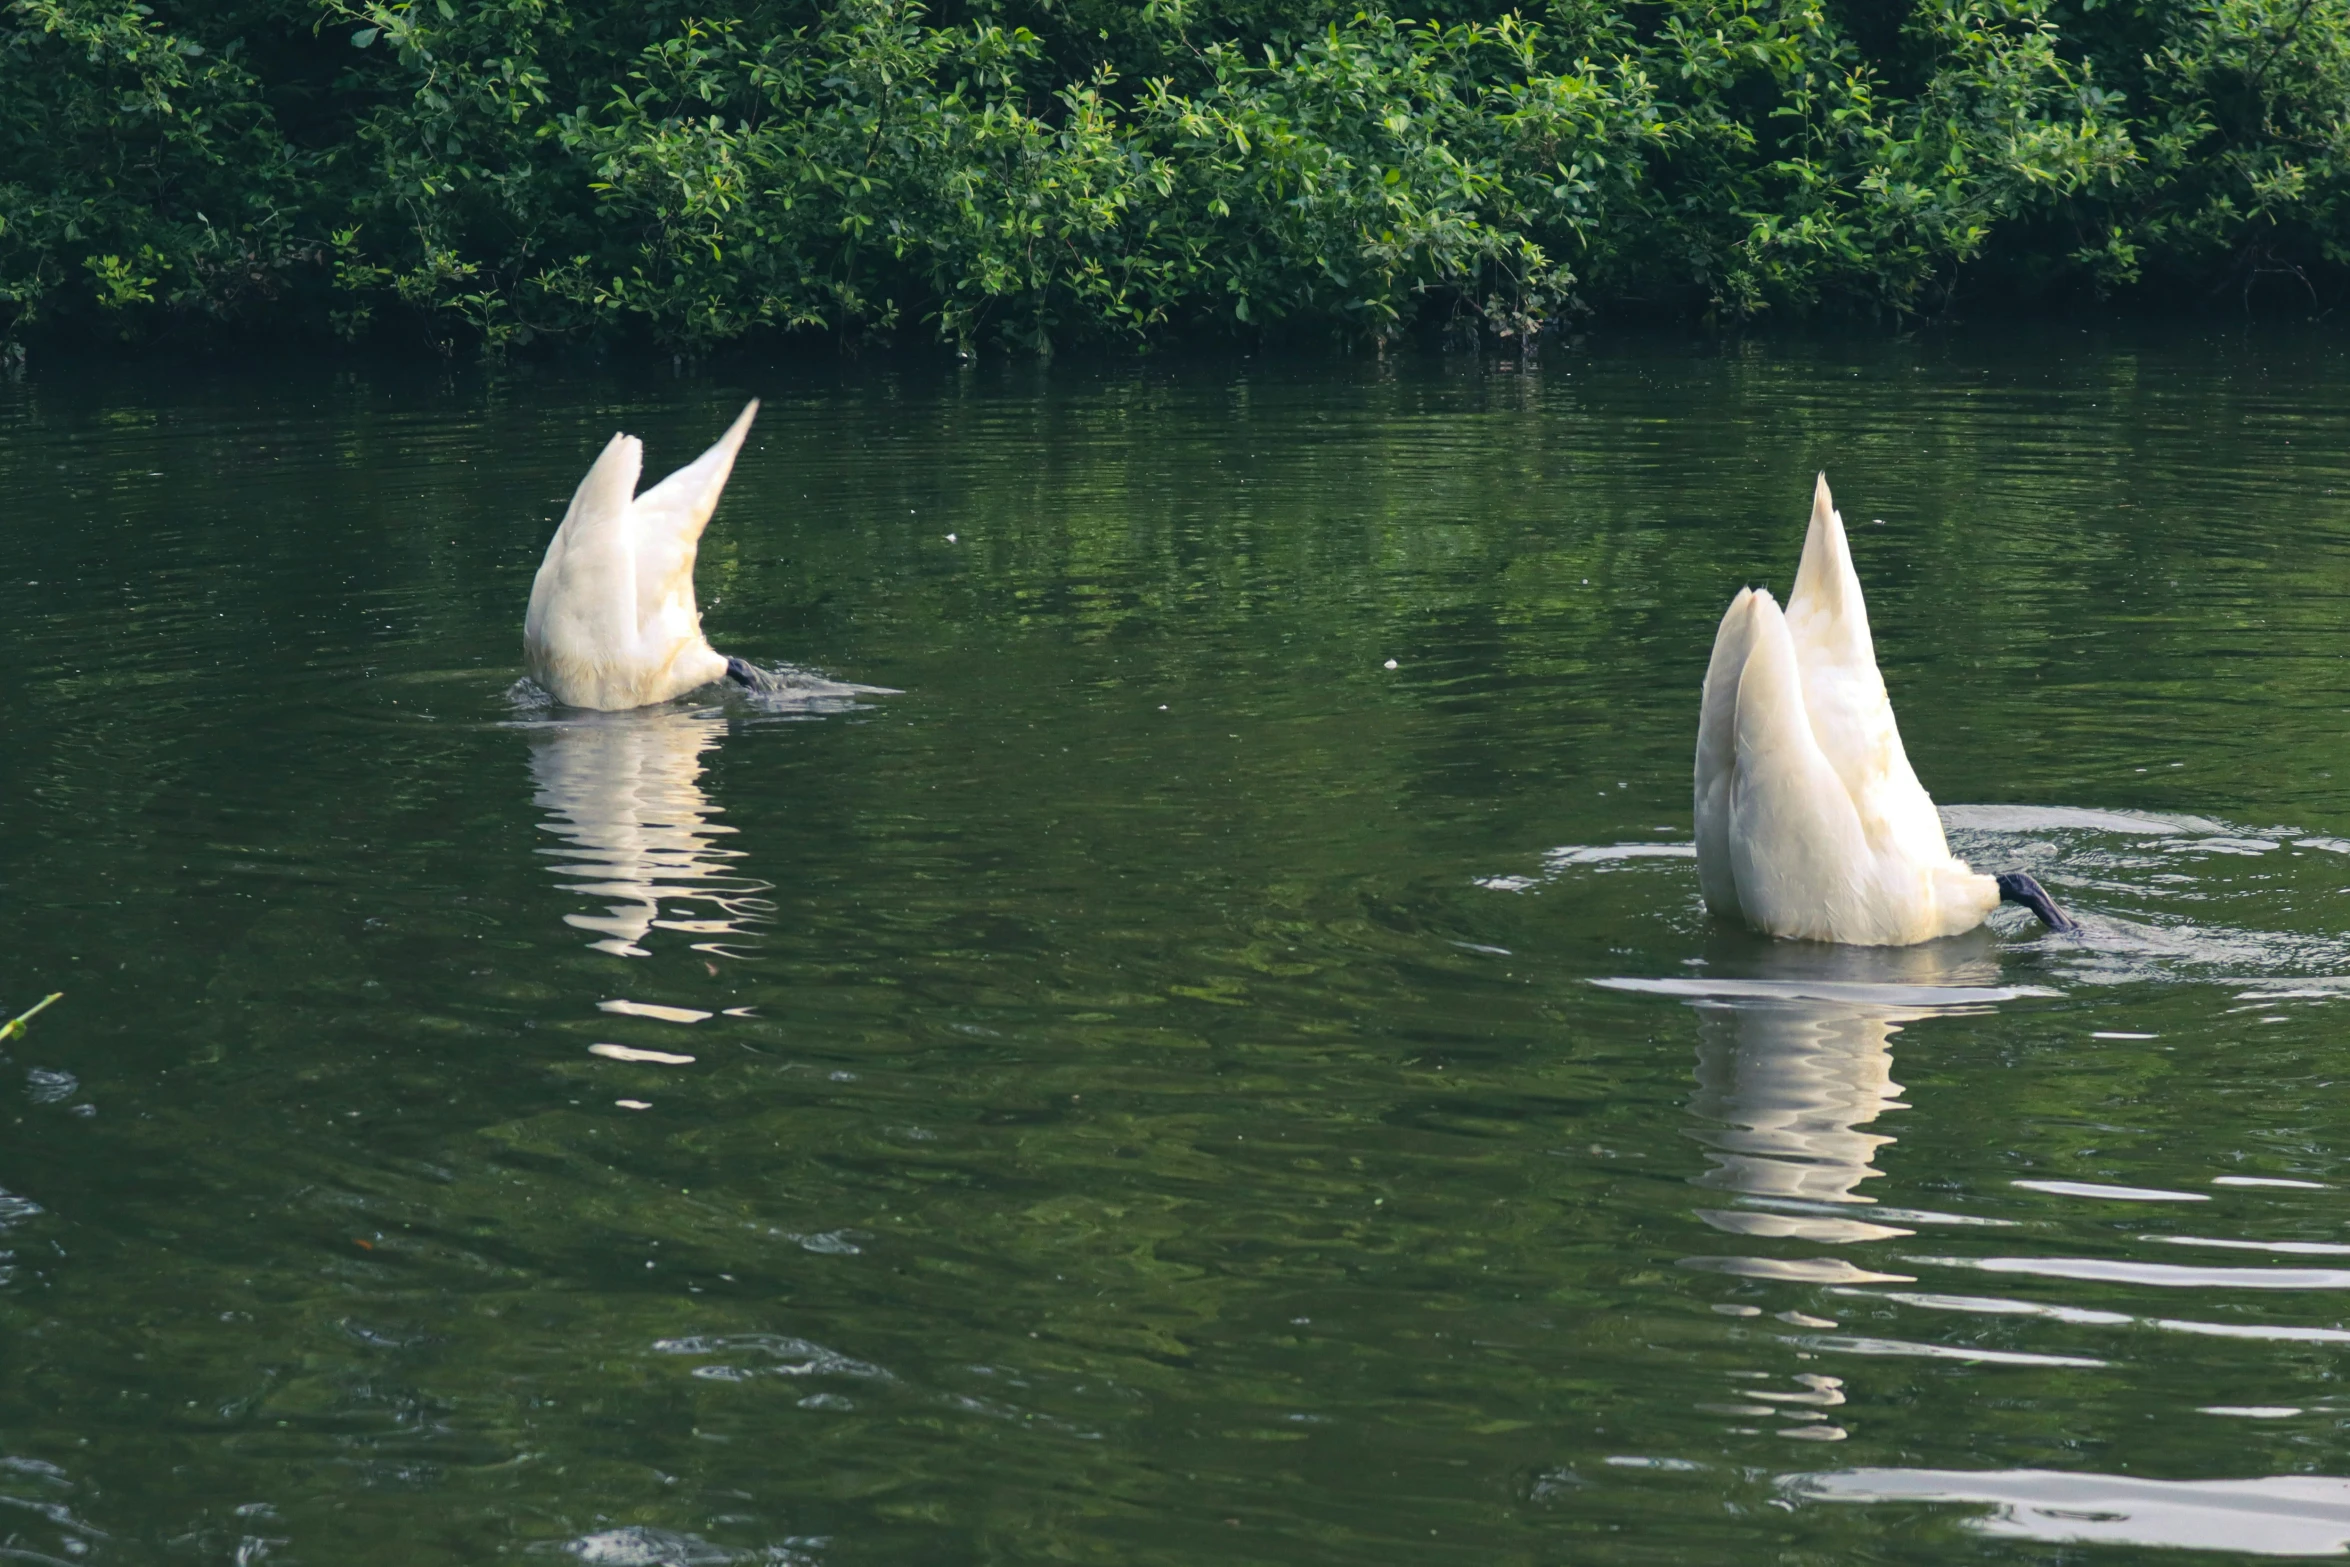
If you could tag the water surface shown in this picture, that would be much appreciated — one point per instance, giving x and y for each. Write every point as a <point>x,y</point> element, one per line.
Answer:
<point>1227,1064</point>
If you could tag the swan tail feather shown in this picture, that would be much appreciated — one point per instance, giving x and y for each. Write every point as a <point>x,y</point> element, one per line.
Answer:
<point>1796,843</point>
<point>669,519</point>
<point>1851,714</point>
<point>1827,588</point>
<point>681,505</point>
<point>1717,754</point>
<point>1826,612</point>
<point>599,507</point>
<point>585,592</point>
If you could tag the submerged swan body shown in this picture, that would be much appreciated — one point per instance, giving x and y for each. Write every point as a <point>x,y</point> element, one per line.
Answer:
<point>1810,823</point>
<point>612,621</point>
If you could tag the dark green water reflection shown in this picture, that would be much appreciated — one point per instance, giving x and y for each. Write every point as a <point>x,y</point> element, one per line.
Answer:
<point>1150,1101</point>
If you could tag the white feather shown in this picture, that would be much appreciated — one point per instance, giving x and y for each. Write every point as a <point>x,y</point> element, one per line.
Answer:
<point>1717,754</point>
<point>1810,821</point>
<point>612,621</point>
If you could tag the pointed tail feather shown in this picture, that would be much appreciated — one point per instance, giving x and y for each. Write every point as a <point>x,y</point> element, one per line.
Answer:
<point>668,520</point>
<point>585,590</point>
<point>601,501</point>
<point>1826,604</point>
<point>680,506</point>
<point>1851,715</point>
<point>1717,754</point>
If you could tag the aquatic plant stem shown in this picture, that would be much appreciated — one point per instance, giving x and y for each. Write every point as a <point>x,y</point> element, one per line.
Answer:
<point>15,1025</point>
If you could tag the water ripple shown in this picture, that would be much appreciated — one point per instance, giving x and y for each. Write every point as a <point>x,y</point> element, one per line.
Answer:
<point>2155,1274</point>
<point>1862,1345</point>
<point>2279,1515</point>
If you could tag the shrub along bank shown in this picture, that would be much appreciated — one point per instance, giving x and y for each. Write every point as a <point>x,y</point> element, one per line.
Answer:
<point>1025,173</point>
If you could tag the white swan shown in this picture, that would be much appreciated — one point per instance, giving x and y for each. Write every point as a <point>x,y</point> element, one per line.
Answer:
<point>1810,823</point>
<point>612,622</point>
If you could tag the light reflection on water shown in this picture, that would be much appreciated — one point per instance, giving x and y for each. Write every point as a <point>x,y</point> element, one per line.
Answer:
<point>2277,1515</point>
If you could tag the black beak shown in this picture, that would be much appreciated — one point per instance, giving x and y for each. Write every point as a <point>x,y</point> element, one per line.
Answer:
<point>2017,887</point>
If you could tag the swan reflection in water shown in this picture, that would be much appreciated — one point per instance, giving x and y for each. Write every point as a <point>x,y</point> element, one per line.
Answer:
<point>621,792</point>
<point>1794,1072</point>
<point>1791,1080</point>
<point>1790,1092</point>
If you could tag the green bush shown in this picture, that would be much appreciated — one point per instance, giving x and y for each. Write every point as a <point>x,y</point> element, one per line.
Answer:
<point>501,171</point>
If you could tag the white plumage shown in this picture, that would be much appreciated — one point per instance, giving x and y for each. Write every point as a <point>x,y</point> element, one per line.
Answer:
<point>1810,823</point>
<point>612,621</point>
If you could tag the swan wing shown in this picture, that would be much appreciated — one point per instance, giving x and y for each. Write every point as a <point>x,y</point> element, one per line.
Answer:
<point>1851,716</point>
<point>583,601</point>
<point>667,523</point>
<point>1797,848</point>
<point>1717,754</point>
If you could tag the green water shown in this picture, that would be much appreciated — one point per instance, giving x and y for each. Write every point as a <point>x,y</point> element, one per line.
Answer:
<point>1153,1096</point>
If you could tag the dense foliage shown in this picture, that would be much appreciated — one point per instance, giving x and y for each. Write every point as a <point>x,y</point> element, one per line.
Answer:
<point>1030,172</point>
